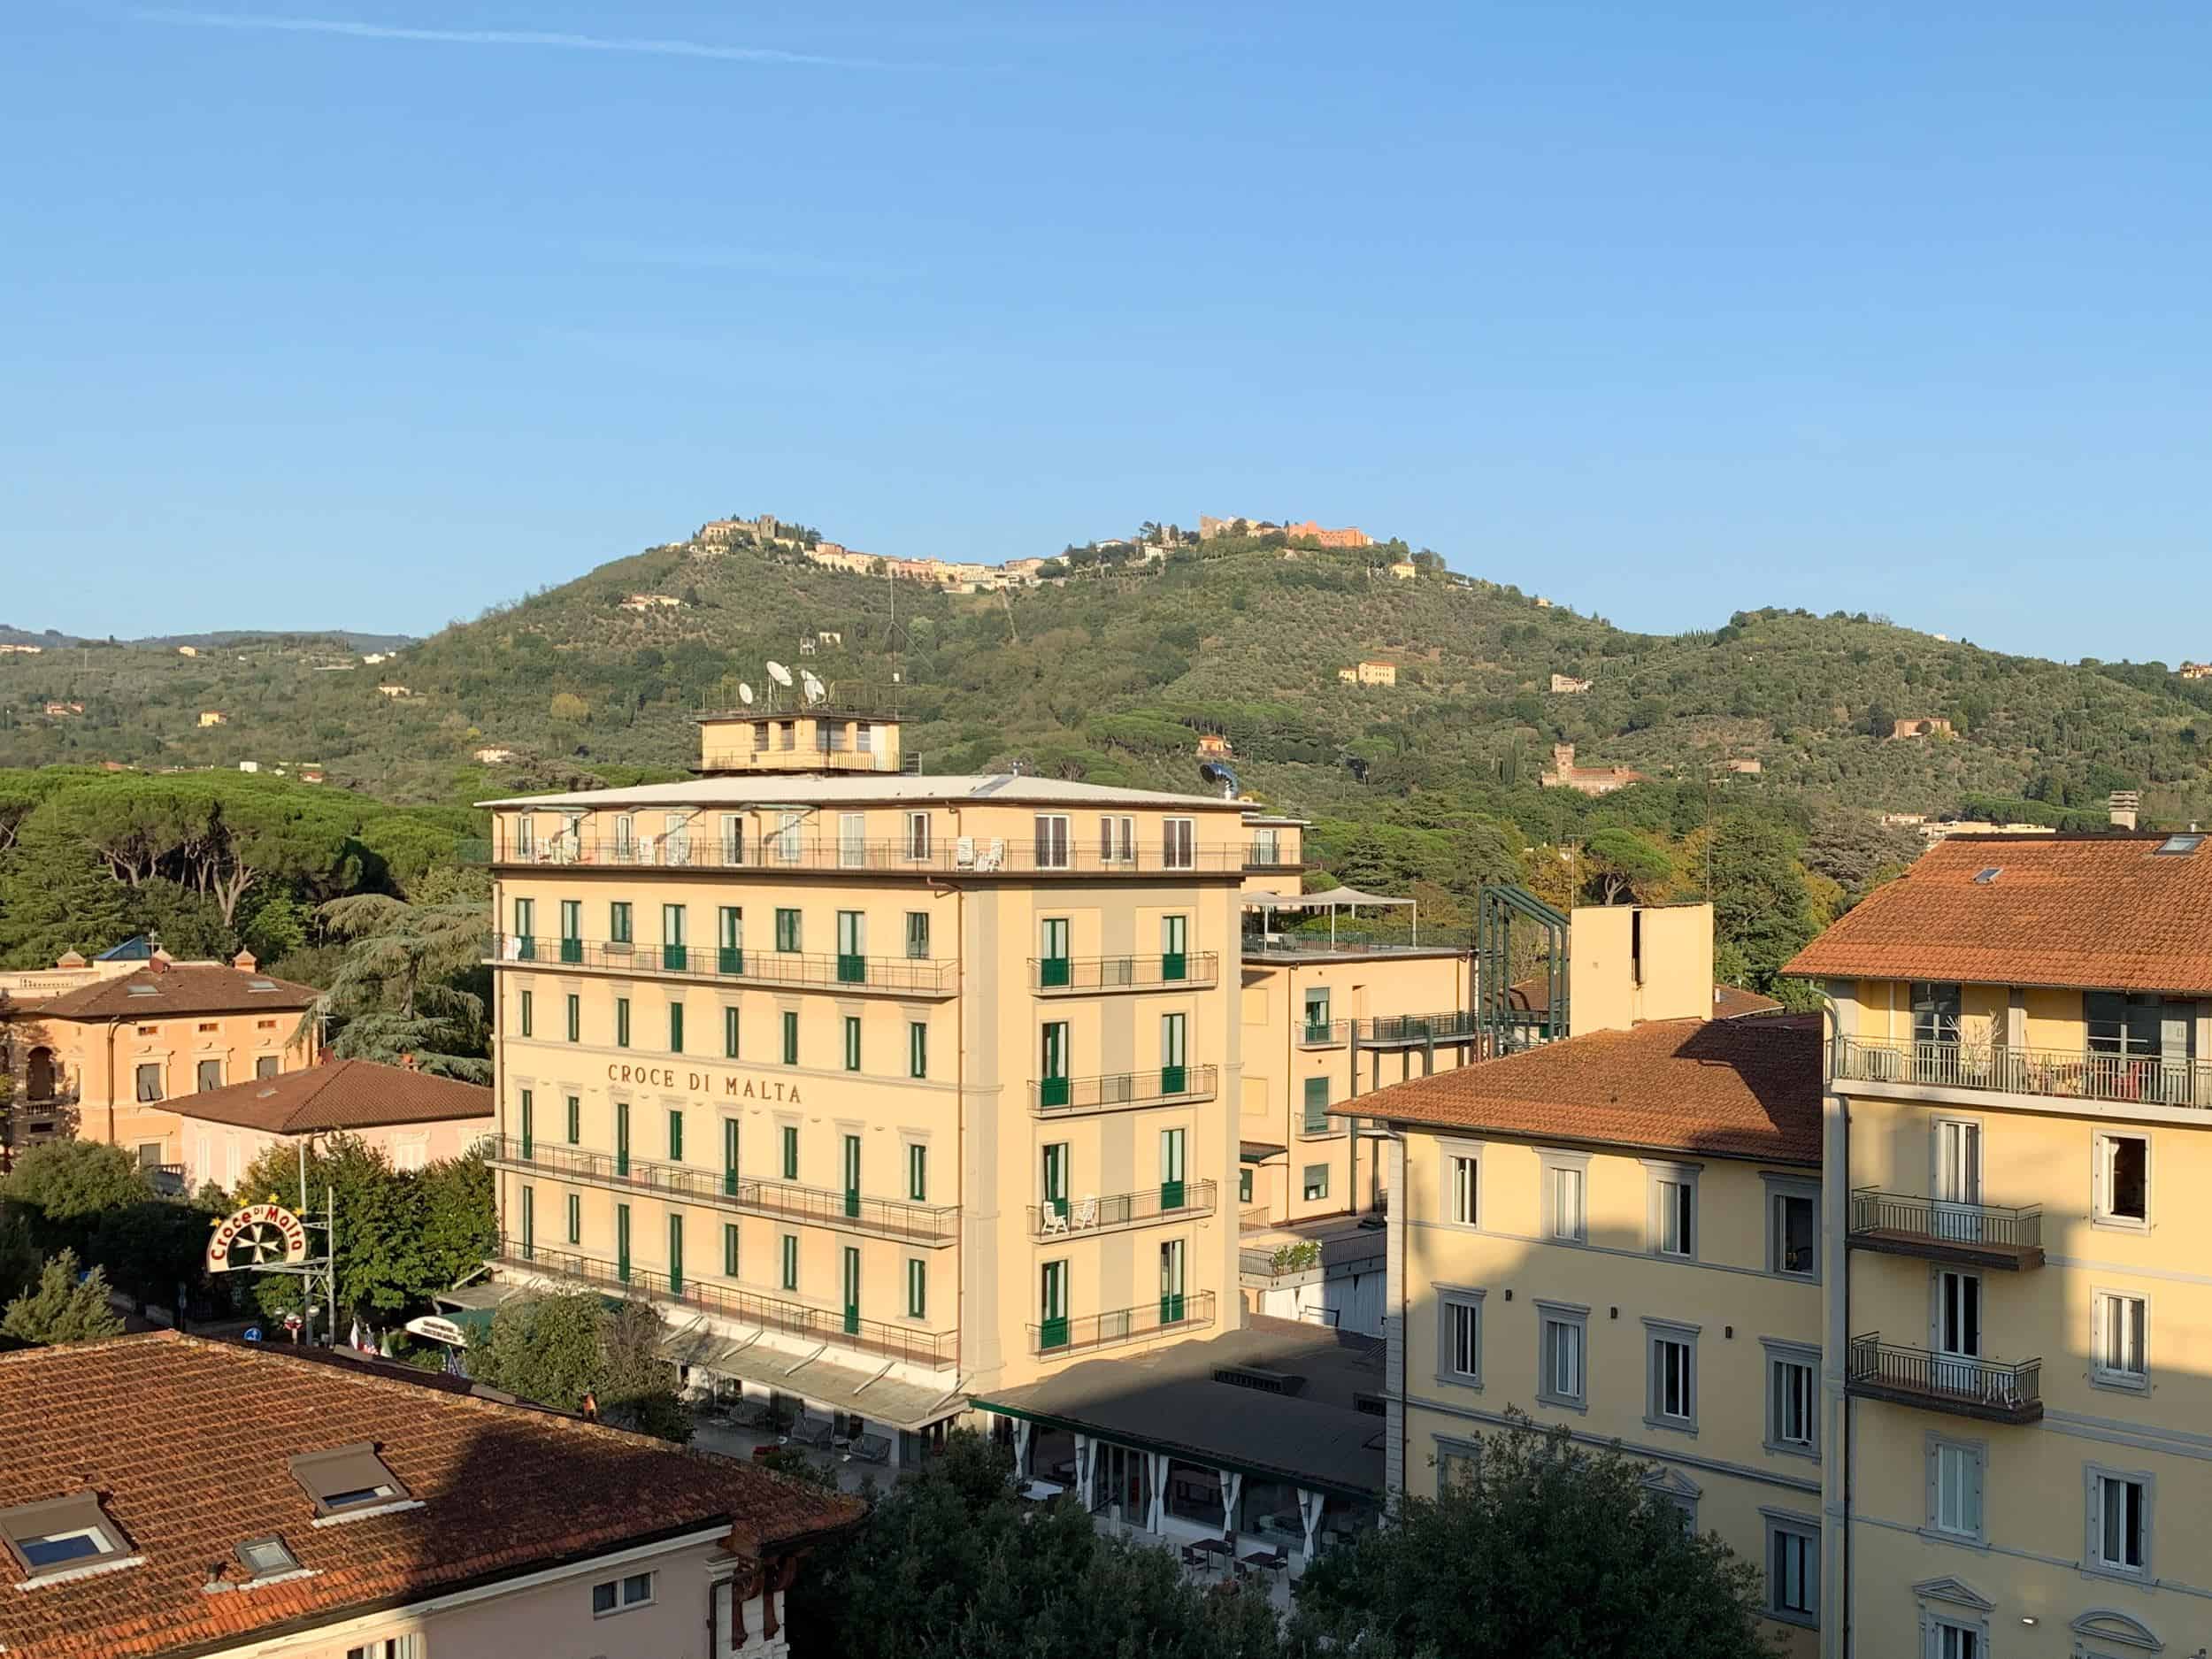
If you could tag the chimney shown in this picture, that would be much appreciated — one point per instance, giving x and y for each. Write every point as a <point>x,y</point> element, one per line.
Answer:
<point>244,961</point>
<point>407,1062</point>
<point>2124,804</point>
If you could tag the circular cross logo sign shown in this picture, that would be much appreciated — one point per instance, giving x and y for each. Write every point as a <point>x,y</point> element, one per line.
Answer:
<point>259,1235</point>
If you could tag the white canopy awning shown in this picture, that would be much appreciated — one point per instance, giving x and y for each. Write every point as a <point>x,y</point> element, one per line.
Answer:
<point>1334,899</point>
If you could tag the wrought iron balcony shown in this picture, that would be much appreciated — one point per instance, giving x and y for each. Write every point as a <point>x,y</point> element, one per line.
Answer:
<point>2061,1073</point>
<point>1091,974</point>
<point>1984,1235</point>
<point>907,976</point>
<point>1170,1086</point>
<point>787,1201</point>
<point>935,1349</point>
<point>1066,1335</point>
<point>1996,1393</point>
<point>777,853</point>
<point>1169,1201</point>
<point>1266,858</point>
<point>1390,1031</point>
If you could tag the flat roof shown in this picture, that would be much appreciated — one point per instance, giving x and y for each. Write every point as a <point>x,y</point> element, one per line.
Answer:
<point>873,788</point>
<point>1169,1400</point>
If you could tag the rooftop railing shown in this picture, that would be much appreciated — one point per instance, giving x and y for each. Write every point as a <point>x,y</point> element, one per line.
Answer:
<point>934,1348</point>
<point>918,1223</point>
<point>775,853</point>
<point>1169,1201</point>
<point>906,975</point>
<point>2063,1073</point>
<point>1180,1312</point>
<point>1123,973</point>
<point>1451,1025</point>
<point>841,759</point>
<point>1944,1382</point>
<point>1262,856</point>
<point>1071,1096</point>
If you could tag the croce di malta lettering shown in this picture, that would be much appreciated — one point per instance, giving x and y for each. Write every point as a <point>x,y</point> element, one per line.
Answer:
<point>734,1085</point>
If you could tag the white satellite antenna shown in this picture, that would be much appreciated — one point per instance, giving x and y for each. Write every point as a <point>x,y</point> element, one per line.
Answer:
<point>814,692</point>
<point>777,673</point>
<point>745,693</point>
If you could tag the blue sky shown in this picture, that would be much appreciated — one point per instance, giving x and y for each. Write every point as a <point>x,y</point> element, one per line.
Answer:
<point>377,313</point>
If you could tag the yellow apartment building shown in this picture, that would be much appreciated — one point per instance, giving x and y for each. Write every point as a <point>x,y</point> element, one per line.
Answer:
<point>2018,1375</point>
<point>893,1088</point>
<point>96,1049</point>
<point>1618,1231</point>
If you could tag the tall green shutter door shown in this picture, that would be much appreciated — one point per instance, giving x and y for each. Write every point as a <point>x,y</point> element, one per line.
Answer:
<point>622,1242</point>
<point>852,1291</point>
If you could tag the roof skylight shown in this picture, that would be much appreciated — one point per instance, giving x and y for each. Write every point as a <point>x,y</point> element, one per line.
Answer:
<point>347,1481</point>
<point>1983,877</point>
<point>2180,846</point>
<point>62,1537</point>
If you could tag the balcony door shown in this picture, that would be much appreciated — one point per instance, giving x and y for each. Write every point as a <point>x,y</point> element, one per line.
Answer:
<point>1052,1065</point>
<point>1056,1179</point>
<point>1171,1282</point>
<point>1958,1332</point>
<point>1174,1059</point>
<point>1052,841</point>
<point>852,839</point>
<point>1172,1154</point>
<point>1935,1032</point>
<point>1174,947</point>
<point>1052,1306</point>
<point>1957,1185</point>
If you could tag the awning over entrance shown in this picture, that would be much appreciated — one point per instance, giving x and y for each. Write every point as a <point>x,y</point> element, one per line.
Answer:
<point>1258,1151</point>
<point>873,1391</point>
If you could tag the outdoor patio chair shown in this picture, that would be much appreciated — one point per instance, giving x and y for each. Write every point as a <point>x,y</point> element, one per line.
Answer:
<point>810,1431</point>
<point>870,1448</point>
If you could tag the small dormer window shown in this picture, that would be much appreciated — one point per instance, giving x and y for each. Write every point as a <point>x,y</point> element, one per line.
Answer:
<point>2180,846</point>
<point>62,1537</point>
<point>347,1481</point>
<point>1983,877</point>
<point>267,1557</point>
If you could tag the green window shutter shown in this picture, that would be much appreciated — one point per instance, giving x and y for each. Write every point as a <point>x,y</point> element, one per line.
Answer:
<point>575,1019</point>
<point>786,930</point>
<point>917,1288</point>
<point>529,1221</point>
<point>526,1124</point>
<point>675,1028</point>
<point>729,1032</point>
<point>790,1152</point>
<point>729,1249</point>
<point>675,1137</point>
<point>729,1156</point>
<point>676,1253</point>
<point>790,1038</point>
<point>791,1261</point>
<point>575,1120</point>
<point>575,1219</point>
<point>622,1242</point>
<point>1317,1106</point>
<point>525,1013</point>
<point>918,1172</point>
<point>917,1048</point>
<point>852,1042</point>
<point>621,1022</point>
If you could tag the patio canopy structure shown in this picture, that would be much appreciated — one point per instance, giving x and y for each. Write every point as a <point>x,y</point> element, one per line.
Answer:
<point>1337,901</point>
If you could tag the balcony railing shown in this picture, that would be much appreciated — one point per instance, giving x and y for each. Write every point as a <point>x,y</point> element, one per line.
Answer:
<point>775,852</point>
<point>1260,1267</point>
<point>1944,1382</point>
<point>1123,973</point>
<point>2063,1073</point>
<point>1170,1201</point>
<point>935,1349</point>
<point>1991,1235</point>
<point>842,758</point>
<point>1187,1311</point>
<point>908,975</point>
<point>1172,1085</point>
<point>1261,857</point>
<point>1451,1025</point>
<point>914,1223</point>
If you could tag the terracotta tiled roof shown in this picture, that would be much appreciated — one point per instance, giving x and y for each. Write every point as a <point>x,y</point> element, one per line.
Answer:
<point>2096,912</point>
<point>1735,1088</point>
<point>340,1094</point>
<point>186,1443</point>
<point>195,987</point>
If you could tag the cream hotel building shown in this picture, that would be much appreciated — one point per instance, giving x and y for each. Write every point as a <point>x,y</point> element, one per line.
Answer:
<point>897,1089</point>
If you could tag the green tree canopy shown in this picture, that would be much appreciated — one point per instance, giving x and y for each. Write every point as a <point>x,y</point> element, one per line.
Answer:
<point>63,1187</point>
<point>60,1308</point>
<point>1623,863</point>
<point>545,1348</point>
<point>1551,1551</point>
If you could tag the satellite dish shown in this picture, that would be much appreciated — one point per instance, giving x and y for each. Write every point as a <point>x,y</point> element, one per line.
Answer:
<point>777,673</point>
<point>814,692</point>
<point>1221,775</point>
<point>745,693</point>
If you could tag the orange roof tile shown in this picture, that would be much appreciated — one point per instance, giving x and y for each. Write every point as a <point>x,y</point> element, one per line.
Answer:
<point>193,988</point>
<point>186,1443</point>
<point>2094,912</point>
<point>1732,1089</point>
<point>339,1095</point>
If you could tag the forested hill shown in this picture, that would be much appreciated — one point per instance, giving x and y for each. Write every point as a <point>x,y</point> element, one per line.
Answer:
<point>1108,674</point>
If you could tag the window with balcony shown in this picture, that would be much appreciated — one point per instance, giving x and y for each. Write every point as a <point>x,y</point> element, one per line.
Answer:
<point>571,930</point>
<point>729,1249</point>
<point>1316,1107</point>
<point>618,923</point>
<point>1118,840</point>
<point>788,827</point>
<point>1052,1064</point>
<point>526,944</point>
<point>1052,1305</point>
<point>1935,1013</point>
<point>918,836</point>
<point>1054,968</point>
<point>2119,1339</point>
<point>852,840</point>
<point>1317,1027</point>
<point>1954,1486</point>
<point>918,935</point>
<point>787,936</point>
<point>787,1135</point>
<point>2119,1503</point>
<point>2124,1180</point>
<point>625,838</point>
<point>1052,841</point>
<point>1178,843</point>
<point>675,1136</point>
<point>1173,1143</point>
<point>732,839</point>
<point>1174,1058</point>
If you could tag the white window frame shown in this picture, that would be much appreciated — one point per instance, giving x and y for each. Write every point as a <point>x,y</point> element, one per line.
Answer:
<point>1117,839</point>
<point>1314,1192</point>
<point>1178,843</point>
<point>1673,1333</point>
<point>1452,1301</point>
<point>1973,1458</point>
<point>2093,1558</point>
<point>1054,846</point>
<point>1554,1163</point>
<point>1450,1189</point>
<point>1806,1528</point>
<point>917,837</point>
<point>2100,1173</point>
<point>621,1587</point>
<point>1577,1317</point>
<point>2102,1373</point>
<point>1939,1623</point>
<point>1659,1178</point>
<point>1778,1188</point>
<point>1804,1356</point>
